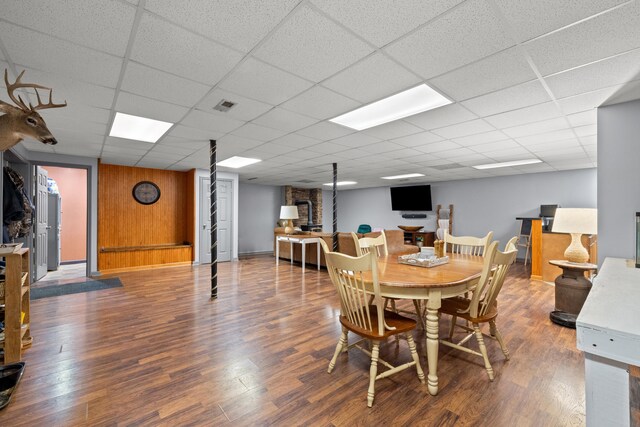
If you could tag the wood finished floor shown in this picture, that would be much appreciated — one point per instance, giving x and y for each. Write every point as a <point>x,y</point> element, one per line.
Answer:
<point>159,352</point>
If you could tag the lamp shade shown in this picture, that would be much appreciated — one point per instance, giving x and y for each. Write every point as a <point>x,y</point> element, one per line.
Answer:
<point>576,220</point>
<point>289,212</point>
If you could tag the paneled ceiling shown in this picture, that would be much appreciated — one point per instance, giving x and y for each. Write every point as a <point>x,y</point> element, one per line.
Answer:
<point>525,77</point>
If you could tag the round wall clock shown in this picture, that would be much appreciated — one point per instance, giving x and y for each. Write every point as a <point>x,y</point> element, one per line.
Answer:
<point>146,192</point>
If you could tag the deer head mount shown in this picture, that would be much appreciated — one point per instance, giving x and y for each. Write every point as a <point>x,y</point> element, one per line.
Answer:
<point>22,120</point>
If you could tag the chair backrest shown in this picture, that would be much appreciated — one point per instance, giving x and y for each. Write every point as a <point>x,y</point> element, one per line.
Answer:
<point>347,274</point>
<point>467,245</point>
<point>377,245</point>
<point>494,271</point>
<point>512,244</point>
<point>525,227</point>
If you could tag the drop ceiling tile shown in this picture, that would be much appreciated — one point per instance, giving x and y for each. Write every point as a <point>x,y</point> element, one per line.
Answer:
<point>452,40</point>
<point>437,147</point>
<point>510,154</point>
<point>371,79</point>
<point>245,109</point>
<point>553,146</point>
<point>464,129</point>
<point>241,24</point>
<point>35,50</point>
<point>320,103</point>
<point>160,155</point>
<point>32,145</point>
<point>589,140</point>
<point>587,101</point>
<point>324,131</point>
<point>193,144</point>
<point>213,122</point>
<point>123,144</point>
<point>355,140</point>
<point>537,127</point>
<point>154,163</point>
<point>312,46</point>
<point>480,138</point>
<point>257,80</point>
<point>275,149</point>
<point>59,122</point>
<point>281,119</point>
<point>190,133</point>
<point>386,21</point>
<point>455,153</point>
<point>170,48</point>
<point>522,116</point>
<point>97,24</point>
<point>84,151</point>
<point>80,113</point>
<point>515,97</point>
<point>261,133</point>
<point>613,71</point>
<point>383,147</point>
<point>589,117</point>
<point>605,35</point>
<point>73,137</point>
<point>296,141</point>
<point>118,160</point>
<point>145,107</point>
<point>418,139</point>
<point>629,92</point>
<point>496,146</point>
<point>145,81</point>
<point>326,148</point>
<point>556,135</point>
<point>237,141</point>
<point>393,130</point>
<point>160,147</point>
<point>531,19</point>
<point>589,130</point>
<point>498,71</point>
<point>441,117</point>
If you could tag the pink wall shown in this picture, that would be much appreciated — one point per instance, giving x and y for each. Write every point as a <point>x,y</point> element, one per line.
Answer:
<point>72,184</point>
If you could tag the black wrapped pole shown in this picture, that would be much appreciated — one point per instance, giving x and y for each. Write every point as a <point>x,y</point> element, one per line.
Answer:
<point>214,219</point>
<point>335,207</point>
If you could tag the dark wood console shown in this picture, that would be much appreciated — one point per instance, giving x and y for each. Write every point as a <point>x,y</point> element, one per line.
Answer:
<point>427,237</point>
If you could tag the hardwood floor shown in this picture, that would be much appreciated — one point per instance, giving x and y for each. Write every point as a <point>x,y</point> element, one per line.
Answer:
<point>158,352</point>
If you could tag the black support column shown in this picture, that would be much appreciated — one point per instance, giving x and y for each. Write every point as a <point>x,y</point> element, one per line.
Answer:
<point>214,219</point>
<point>335,207</point>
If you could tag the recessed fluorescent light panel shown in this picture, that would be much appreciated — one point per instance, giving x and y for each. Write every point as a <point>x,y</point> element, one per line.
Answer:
<point>237,162</point>
<point>138,128</point>
<point>413,101</point>
<point>409,175</point>
<point>506,164</point>
<point>339,183</point>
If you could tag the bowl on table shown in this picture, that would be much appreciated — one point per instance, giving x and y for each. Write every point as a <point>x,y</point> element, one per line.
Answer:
<point>410,227</point>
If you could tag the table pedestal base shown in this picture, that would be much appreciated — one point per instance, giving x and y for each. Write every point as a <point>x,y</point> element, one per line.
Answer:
<point>563,318</point>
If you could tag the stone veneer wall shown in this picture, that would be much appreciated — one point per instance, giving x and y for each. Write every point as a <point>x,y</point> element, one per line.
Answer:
<point>292,194</point>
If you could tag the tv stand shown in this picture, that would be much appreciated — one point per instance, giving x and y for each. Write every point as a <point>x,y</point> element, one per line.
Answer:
<point>427,237</point>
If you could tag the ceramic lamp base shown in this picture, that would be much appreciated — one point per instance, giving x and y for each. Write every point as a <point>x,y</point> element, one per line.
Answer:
<point>289,228</point>
<point>576,252</point>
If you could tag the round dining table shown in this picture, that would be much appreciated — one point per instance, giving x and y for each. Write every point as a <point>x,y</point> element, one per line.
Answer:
<point>432,284</point>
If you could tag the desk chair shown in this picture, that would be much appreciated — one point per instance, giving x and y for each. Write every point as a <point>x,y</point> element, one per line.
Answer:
<point>482,306</point>
<point>370,321</point>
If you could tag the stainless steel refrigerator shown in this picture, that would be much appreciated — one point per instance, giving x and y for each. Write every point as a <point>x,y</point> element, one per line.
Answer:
<point>54,224</point>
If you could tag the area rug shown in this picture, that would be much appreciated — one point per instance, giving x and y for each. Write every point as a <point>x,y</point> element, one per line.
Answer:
<point>74,288</point>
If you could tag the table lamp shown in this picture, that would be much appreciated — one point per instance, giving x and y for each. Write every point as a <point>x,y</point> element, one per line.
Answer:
<point>576,221</point>
<point>290,213</point>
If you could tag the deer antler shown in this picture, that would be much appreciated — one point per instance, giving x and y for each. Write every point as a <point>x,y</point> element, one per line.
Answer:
<point>20,103</point>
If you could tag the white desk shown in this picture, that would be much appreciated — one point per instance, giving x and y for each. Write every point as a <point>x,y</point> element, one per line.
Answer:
<point>608,332</point>
<point>301,240</point>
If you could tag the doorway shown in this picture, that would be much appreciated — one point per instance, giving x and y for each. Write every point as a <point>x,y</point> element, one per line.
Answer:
<point>61,228</point>
<point>224,192</point>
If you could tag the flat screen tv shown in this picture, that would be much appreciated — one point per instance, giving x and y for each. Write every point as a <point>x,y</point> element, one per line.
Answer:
<point>411,198</point>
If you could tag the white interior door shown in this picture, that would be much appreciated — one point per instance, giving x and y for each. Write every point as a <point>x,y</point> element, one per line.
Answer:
<point>42,226</point>
<point>225,214</point>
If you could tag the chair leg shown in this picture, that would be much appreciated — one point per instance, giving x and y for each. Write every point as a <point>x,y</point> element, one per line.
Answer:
<point>414,355</point>
<point>452,327</point>
<point>373,372</point>
<point>526,254</point>
<point>416,305</point>
<point>496,333</point>
<point>341,345</point>
<point>483,350</point>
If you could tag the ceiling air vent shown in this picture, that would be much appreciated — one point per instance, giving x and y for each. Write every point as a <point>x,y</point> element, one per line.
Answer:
<point>305,181</point>
<point>252,178</point>
<point>224,105</point>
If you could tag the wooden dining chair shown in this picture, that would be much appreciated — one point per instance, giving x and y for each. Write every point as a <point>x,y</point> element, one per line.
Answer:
<point>482,306</point>
<point>512,245</point>
<point>370,321</point>
<point>378,245</point>
<point>467,245</point>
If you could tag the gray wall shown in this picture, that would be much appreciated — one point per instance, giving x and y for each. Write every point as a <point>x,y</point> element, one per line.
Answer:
<point>618,179</point>
<point>480,205</point>
<point>259,211</point>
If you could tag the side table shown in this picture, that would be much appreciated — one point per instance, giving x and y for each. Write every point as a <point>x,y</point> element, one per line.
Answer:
<point>301,240</point>
<point>572,289</point>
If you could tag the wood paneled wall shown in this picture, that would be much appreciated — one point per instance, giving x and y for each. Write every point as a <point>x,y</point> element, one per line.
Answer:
<point>123,222</point>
